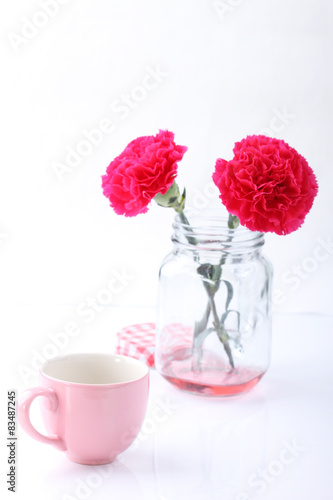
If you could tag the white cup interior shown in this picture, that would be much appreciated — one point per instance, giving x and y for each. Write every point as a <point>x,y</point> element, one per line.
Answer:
<point>95,369</point>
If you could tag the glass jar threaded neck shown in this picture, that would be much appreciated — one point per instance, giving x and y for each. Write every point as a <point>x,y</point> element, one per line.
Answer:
<point>208,232</point>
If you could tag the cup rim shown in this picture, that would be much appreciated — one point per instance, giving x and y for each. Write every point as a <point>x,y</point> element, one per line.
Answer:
<point>98,354</point>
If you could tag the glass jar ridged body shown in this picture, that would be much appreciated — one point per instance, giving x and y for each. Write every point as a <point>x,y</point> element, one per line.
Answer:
<point>214,307</point>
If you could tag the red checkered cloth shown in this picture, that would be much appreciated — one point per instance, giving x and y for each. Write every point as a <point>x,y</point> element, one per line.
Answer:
<point>138,341</point>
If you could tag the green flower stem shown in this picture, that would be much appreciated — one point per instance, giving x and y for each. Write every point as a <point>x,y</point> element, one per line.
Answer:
<point>220,330</point>
<point>213,274</point>
<point>233,221</point>
<point>200,330</point>
<point>184,219</point>
<point>173,199</point>
<point>199,335</point>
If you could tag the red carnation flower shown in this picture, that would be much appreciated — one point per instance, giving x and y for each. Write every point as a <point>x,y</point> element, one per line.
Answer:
<point>268,185</point>
<point>146,167</point>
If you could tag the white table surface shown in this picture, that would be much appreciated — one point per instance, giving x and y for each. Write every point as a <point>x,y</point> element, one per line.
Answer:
<point>274,442</point>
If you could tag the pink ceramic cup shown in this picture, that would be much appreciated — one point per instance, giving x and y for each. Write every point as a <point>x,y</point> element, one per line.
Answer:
<point>92,405</point>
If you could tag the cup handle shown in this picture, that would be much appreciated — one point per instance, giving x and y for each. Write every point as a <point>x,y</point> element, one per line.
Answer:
<point>24,415</point>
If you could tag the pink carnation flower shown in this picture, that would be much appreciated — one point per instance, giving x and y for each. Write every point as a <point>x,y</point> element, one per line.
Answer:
<point>268,185</point>
<point>146,167</point>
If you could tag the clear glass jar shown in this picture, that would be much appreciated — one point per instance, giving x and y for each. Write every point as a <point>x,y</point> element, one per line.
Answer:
<point>214,307</point>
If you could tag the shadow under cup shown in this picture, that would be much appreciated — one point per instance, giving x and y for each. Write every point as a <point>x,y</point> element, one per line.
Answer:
<point>92,405</point>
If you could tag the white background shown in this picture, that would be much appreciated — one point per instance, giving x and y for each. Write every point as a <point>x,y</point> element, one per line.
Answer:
<point>226,71</point>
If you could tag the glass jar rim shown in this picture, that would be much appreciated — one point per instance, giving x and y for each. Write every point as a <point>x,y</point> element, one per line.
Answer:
<point>208,230</point>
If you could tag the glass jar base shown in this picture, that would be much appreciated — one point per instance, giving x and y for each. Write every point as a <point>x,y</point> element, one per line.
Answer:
<point>212,382</point>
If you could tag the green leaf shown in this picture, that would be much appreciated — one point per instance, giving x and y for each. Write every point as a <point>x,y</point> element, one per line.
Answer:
<point>230,293</point>
<point>212,276</point>
<point>199,339</point>
<point>226,314</point>
<point>211,272</point>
